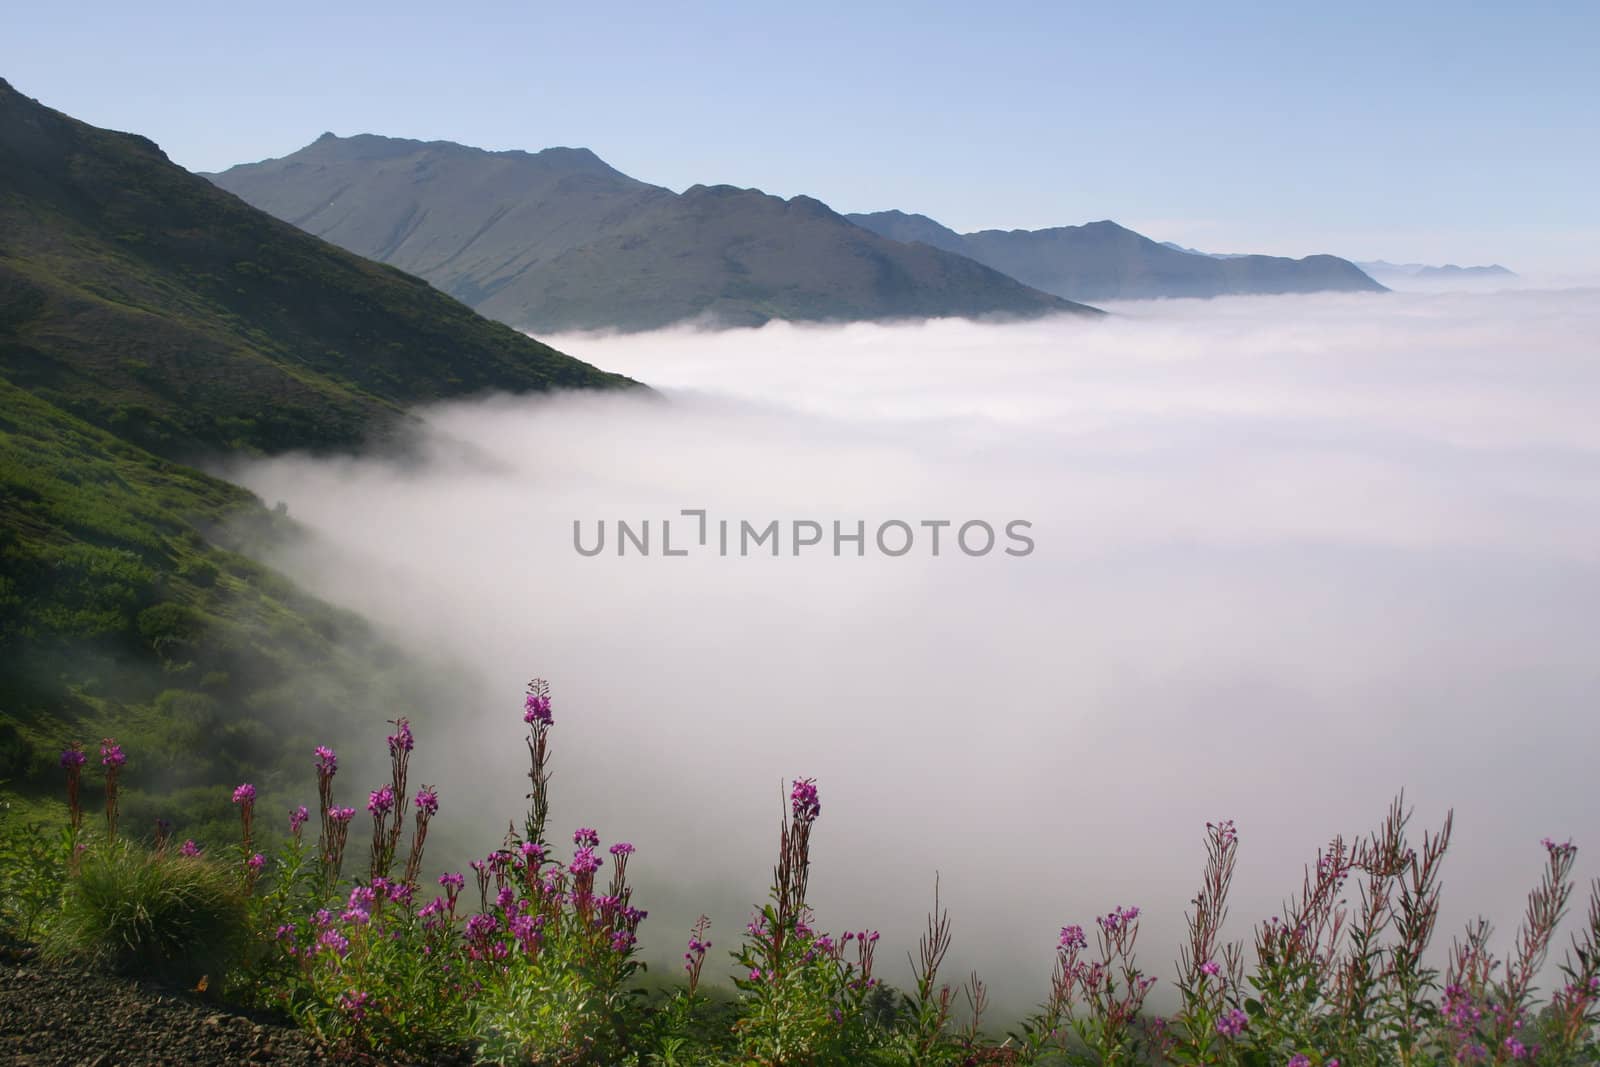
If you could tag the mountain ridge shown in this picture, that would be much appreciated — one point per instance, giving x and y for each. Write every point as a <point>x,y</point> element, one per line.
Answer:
<point>1103,260</point>
<point>560,240</point>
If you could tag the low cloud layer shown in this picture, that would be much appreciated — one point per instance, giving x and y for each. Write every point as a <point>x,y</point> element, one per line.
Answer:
<point>1291,555</point>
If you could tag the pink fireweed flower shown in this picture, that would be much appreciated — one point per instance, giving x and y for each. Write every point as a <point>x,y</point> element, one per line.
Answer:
<point>1233,1023</point>
<point>297,819</point>
<point>1210,968</point>
<point>327,761</point>
<point>803,800</point>
<point>1299,1059</point>
<point>111,754</point>
<point>72,758</point>
<point>427,802</point>
<point>1561,849</point>
<point>380,801</point>
<point>338,814</point>
<point>536,710</point>
<point>189,848</point>
<point>584,861</point>
<point>586,837</point>
<point>256,862</point>
<point>622,848</point>
<point>1072,938</point>
<point>354,1005</point>
<point>245,794</point>
<point>453,881</point>
<point>532,853</point>
<point>401,740</point>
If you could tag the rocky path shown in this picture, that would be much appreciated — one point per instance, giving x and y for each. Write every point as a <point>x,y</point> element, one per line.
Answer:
<point>51,1016</point>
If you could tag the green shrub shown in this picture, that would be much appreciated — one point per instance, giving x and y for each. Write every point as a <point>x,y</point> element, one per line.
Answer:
<point>179,917</point>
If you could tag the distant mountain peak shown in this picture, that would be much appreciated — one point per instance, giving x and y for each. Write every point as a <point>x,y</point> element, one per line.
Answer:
<point>1104,260</point>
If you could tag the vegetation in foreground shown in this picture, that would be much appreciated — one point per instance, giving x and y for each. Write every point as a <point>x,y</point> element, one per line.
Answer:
<point>532,958</point>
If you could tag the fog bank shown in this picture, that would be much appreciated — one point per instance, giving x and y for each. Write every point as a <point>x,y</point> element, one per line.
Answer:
<point>1291,555</point>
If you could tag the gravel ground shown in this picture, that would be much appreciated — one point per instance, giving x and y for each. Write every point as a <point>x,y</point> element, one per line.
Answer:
<point>51,1016</point>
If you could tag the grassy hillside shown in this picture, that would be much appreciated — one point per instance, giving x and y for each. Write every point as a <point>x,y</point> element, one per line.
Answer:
<point>559,240</point>
<point>148,319</point>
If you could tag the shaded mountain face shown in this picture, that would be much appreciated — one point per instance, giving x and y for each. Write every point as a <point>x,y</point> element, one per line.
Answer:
<point>559,240</point>
<point>1104,261</point>
<point>149,302</point>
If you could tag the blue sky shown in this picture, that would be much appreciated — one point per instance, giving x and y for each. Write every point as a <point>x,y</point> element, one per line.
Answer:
<point>1420,131</point>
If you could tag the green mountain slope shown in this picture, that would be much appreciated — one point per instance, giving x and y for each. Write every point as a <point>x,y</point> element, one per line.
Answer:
<point>148,318</point>
<point>148,301</point>
<point>1105,261</point>
<point>559,240</point>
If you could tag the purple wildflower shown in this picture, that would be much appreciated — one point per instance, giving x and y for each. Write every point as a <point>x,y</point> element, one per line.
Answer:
<point>354,1005</point>
<point>380,801</point>
<point>585,837</point>
<point>189,848</point>
<point>427,802</point>
<point>401,740</point>
<point>536,710</point>
<point>327,761</point>
<point>1233,1023</point>
<point>111,754</point>
<point>622,848</point>
<point>245,794</point>
<point>72,758</point>
<point>804,801</point>
<point>333,941</point>
<point>297,818</point>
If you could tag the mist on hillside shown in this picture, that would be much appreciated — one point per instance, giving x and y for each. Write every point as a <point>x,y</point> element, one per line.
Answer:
<point>1290,555</point>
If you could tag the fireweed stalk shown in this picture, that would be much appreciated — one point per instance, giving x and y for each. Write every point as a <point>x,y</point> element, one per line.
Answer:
<point>1296,955</point>
<point>1209,970</point>
<point>536,713</point>
<point>327,765</point>
<point>72,761</point>
<point>112,760</point>
<point>801,1000</point>
<point>245,797</point>
<point>928,1005</point>
<point>1575,1008</point>
<point>1486,1017</point>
